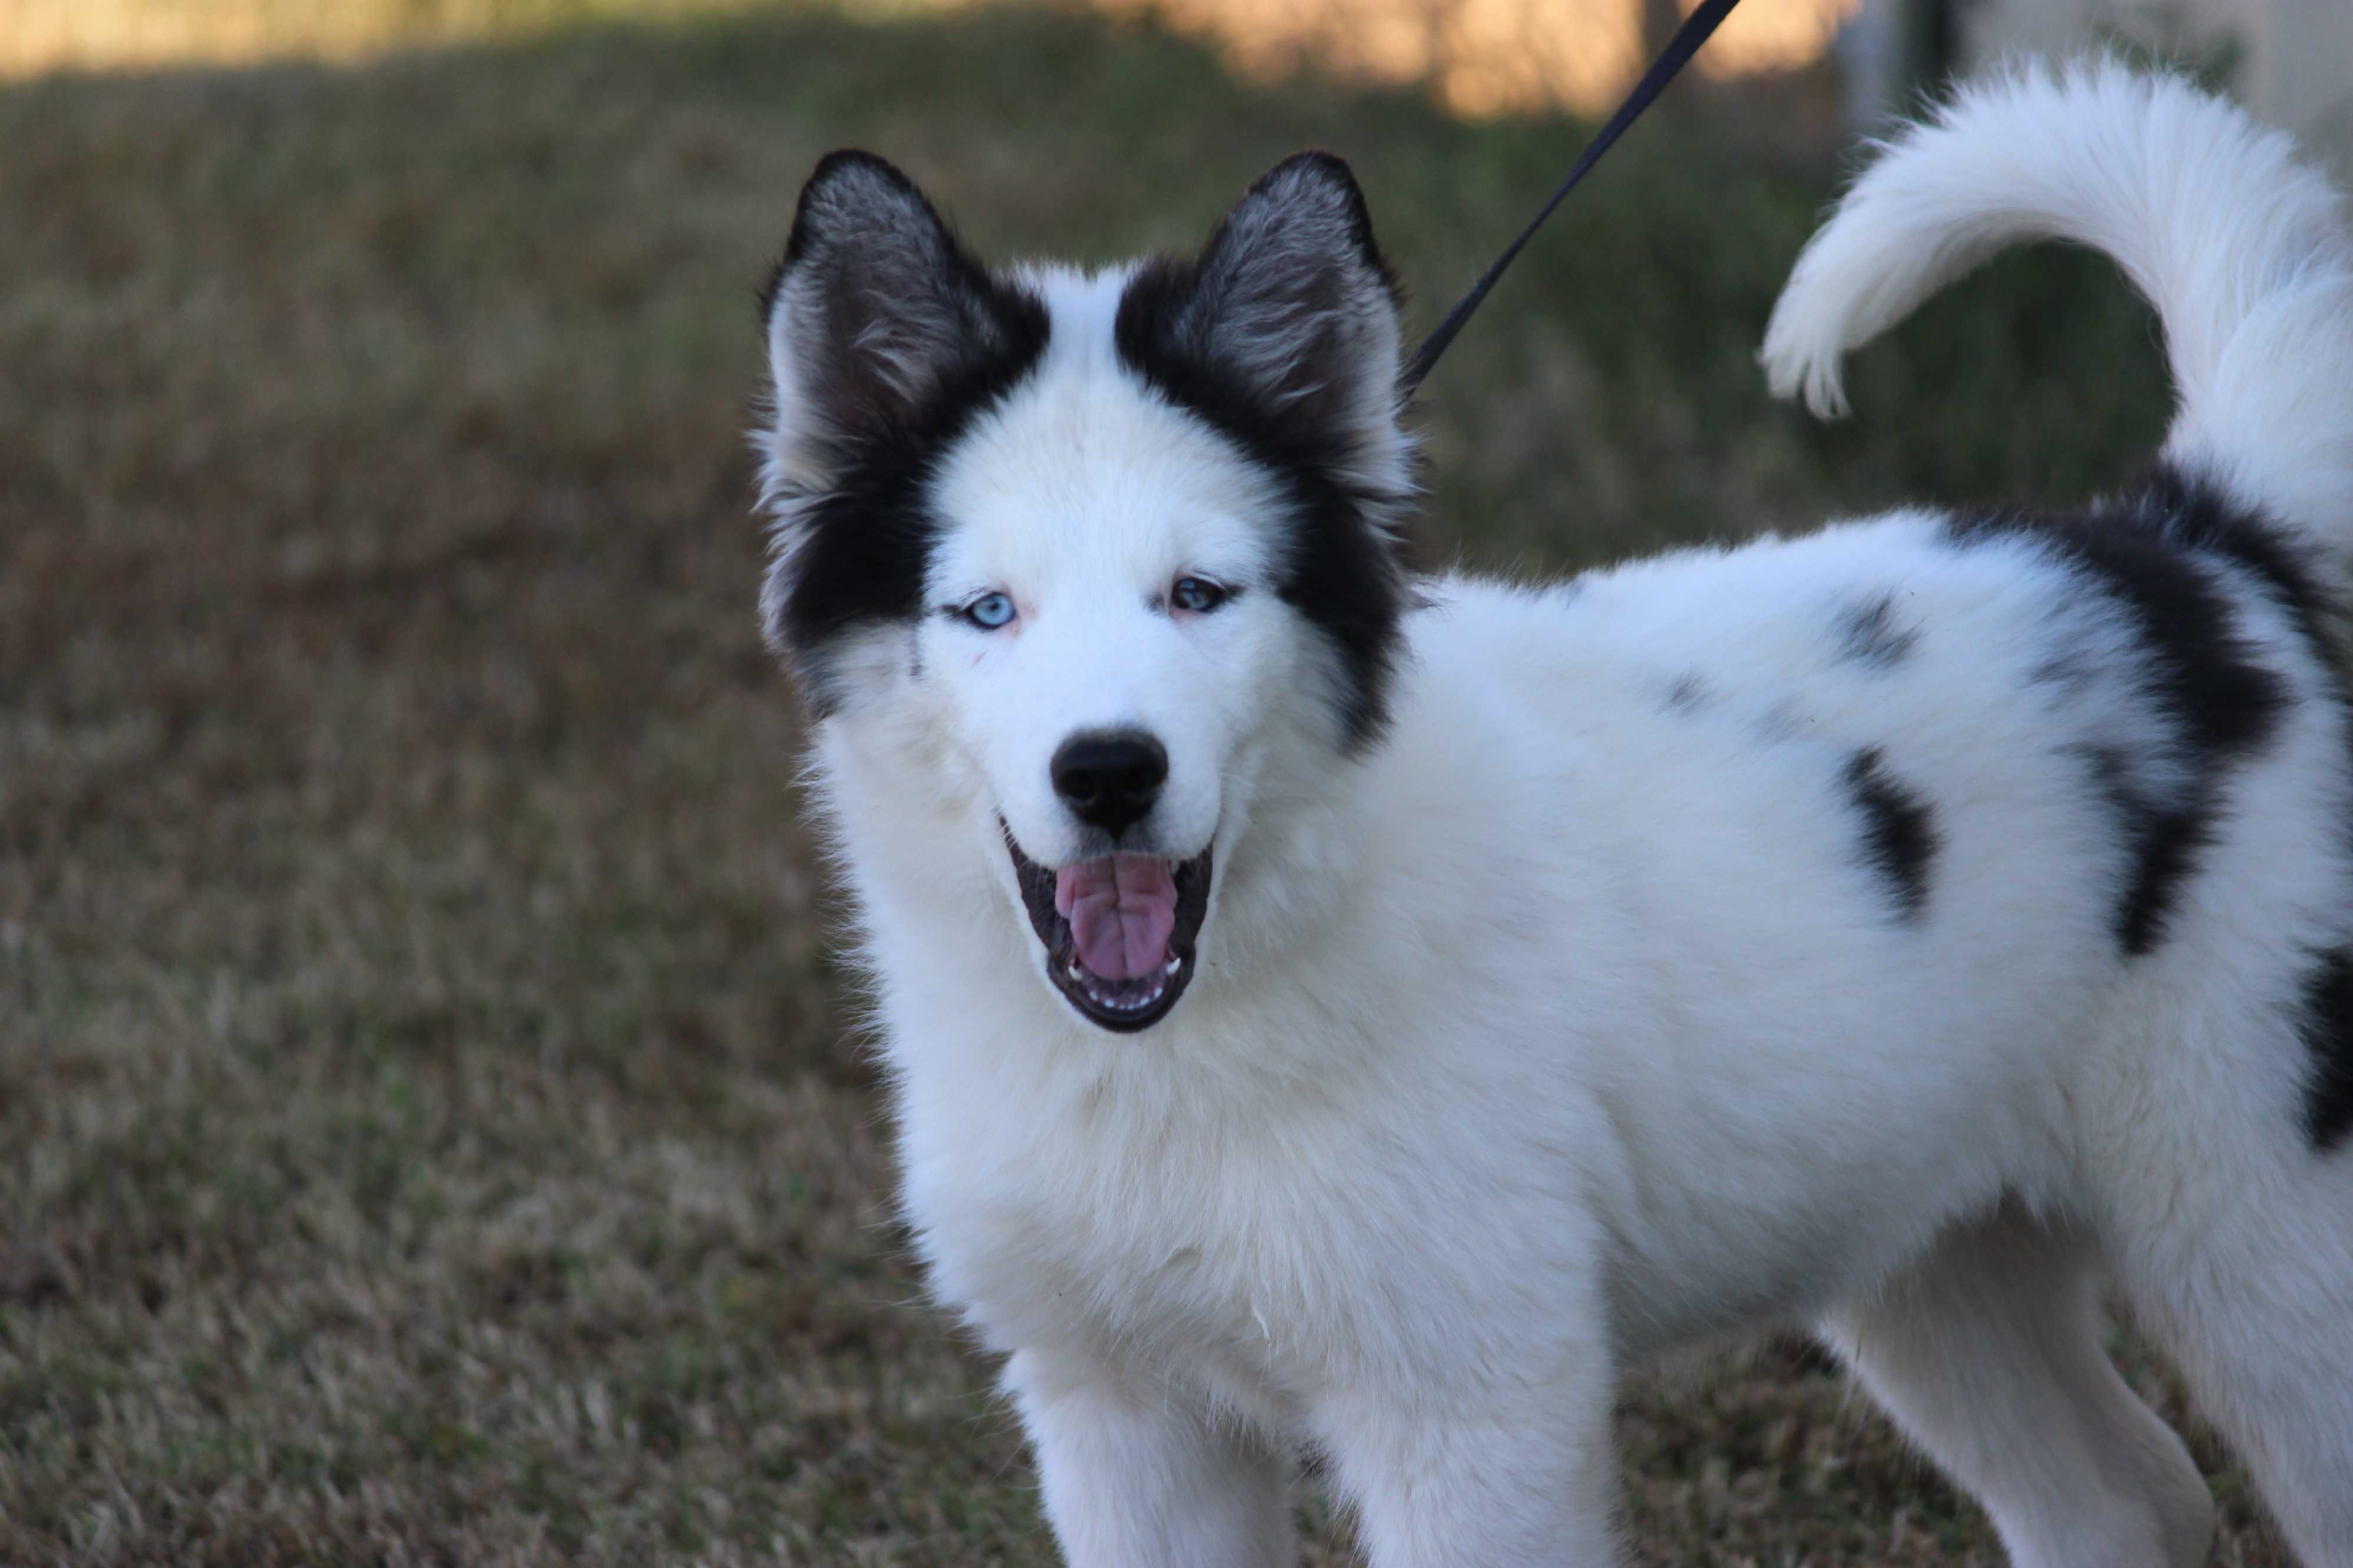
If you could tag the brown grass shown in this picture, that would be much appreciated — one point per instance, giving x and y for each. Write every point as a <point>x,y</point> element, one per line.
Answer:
<point>430,1132</point>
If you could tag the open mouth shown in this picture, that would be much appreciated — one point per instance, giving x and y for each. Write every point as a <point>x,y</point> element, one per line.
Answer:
<point>1118,932</point>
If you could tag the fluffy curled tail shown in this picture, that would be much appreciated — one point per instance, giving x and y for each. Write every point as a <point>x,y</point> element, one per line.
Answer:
<point>2241,248</point>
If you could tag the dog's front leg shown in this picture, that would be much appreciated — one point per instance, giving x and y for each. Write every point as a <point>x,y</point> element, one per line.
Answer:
<point>1140,1475</point>
<point>1523,1475</point>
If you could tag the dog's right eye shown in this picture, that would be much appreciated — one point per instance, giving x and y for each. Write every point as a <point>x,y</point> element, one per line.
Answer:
<point>990,612</point>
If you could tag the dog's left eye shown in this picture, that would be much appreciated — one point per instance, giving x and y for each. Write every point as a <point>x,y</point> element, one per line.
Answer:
<point>1197,595</point>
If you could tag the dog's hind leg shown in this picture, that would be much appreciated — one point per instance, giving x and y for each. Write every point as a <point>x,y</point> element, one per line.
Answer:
<point>2255,1301</point>
<point>1987,1353</point>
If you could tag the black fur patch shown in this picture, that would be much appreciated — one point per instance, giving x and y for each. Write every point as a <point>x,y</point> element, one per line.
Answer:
<point>2165,842</point>
<point>865,542</point>
<point>2327,1025</point>
<point>1870,634</point>
<point>869,538</point>
<point>2154,552</point>
<point>1344,574</point>
<point>1347,582</point>
<point>1899,831</point>
<point>1689,693</point>
<point>2197,516</point>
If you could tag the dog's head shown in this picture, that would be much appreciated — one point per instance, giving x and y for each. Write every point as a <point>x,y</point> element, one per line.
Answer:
<point>1127,542</point>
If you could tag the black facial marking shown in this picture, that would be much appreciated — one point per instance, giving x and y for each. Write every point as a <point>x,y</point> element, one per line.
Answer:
<point>1869,634</point>
<point>2155,552</point>
<point>870,540</point>
<point>2327,1025</point>
<point>1303,229</point>
<point>863,540</point>
<point>1336,572</point>
<point>1899,832</point>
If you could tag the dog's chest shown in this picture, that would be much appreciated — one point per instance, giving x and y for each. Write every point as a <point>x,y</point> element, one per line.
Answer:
<point>1178,1254</point>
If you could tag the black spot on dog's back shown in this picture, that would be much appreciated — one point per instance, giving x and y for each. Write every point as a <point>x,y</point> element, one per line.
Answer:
<point>1688,694</point>
<point>2164,838</point>
<point>2327,1028</point>
<point>1869,634</point>
<point>2160,553</point>
<point>2196,662</point>
<point>2197,516</point>
<point>1899,831</point>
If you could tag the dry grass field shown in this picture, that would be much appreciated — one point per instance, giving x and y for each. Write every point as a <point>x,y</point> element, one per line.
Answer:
<point>431,1126</point>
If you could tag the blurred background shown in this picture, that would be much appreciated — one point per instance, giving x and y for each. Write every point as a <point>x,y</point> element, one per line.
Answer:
<point>432,1126</point>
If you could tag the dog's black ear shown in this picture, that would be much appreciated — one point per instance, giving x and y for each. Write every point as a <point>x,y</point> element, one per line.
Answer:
<point>1284,334</point>
<point>874,313</point>
<point>883,335</point>
<point>1290,306</point>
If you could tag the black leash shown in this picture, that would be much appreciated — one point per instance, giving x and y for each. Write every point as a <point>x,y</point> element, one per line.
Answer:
<point>1677,54</point>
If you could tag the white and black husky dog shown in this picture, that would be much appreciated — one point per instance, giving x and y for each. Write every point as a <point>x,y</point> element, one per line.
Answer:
<point>1332,1006</point>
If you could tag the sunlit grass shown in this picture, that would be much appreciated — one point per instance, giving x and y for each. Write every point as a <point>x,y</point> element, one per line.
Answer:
<point>1479,56</point>
<point>50,35</point>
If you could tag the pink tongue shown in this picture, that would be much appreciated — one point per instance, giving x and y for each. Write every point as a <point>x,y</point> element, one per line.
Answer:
<point>1122,909</point>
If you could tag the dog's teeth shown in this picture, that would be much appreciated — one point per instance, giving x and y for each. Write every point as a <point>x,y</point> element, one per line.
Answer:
<point>1172,966</point>
<point>1076,973</point>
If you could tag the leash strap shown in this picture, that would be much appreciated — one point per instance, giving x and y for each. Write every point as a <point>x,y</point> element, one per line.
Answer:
<point>1694,32</point>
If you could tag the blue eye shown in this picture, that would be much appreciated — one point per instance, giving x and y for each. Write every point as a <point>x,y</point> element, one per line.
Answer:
<point>1197,595</point>
<point>990,612</point>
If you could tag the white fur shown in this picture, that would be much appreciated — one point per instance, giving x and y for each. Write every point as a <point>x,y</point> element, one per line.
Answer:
<point>1564,1024</point>
<point>2240,247</point>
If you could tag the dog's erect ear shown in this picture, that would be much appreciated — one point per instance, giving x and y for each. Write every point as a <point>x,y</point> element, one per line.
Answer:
<point>874,313</point>
<point>883,335</point>
<point>1284,334</point>
<point>1291,305</point>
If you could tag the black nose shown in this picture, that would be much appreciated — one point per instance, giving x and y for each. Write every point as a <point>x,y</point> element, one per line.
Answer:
<point>1110,777</point>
